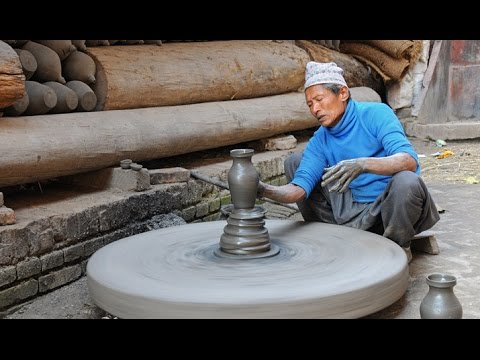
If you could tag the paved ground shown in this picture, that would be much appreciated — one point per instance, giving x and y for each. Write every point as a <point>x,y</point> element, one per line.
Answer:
<point>457,236</point>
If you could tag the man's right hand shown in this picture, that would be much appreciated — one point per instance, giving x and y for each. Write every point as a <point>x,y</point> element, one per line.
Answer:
<point>260,189</point>
<point>343,174</point>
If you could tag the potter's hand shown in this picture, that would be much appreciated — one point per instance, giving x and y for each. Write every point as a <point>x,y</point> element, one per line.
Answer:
<point>343,174</point>
<point>260,189</point>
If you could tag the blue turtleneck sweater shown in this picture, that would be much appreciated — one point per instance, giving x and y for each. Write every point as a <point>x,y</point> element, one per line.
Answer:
<point>367,129</point>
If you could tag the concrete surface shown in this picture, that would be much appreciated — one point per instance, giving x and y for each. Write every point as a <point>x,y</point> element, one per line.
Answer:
<point>456,234</point>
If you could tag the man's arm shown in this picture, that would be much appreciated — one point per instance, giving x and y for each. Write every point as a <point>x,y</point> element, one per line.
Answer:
<point>390,165</point>
<point>289,193</point>
<point>342,174</point>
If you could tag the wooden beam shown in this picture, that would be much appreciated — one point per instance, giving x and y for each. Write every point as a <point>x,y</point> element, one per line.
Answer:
<point>48,146</point>
<point>139,76</point>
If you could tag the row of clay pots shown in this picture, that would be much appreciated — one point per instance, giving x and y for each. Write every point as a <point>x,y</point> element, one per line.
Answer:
<point>58,74</point>
<point>53,97</point>
<point>58,62</point>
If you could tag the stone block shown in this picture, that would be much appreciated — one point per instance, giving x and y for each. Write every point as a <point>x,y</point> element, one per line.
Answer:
<point>280,143</point>
<point>225,200</point>
<point>214,205</point>
<point>213,217</point>
<point>425,242</point>
<point>58,278</point>
<point>18,293</point>
<point>169,175</point>
<point>114,178</point>
<point>29,268</point>
<point>188,214</point>
<point>93,245</point>
<point>7,216</point>
<point>40,241</point>
<point>143,180</point>
<point>202,209</point>
<point>73,252</point>
<point>52,260</point>
<point>7,275</point>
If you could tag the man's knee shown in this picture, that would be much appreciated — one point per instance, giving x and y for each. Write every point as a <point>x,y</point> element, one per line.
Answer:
<point>406,181</point>
<point>291,164</point>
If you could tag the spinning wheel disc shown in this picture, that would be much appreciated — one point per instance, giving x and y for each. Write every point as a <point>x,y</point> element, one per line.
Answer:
<point>321,271</point>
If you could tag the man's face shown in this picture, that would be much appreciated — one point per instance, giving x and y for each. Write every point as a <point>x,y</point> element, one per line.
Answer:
<point>326,106</point>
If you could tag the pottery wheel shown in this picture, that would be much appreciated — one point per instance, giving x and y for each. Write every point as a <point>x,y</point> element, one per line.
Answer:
<point>321,271</point>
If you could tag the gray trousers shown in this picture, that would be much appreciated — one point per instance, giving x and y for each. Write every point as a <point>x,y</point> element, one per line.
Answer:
<point>403,210</point>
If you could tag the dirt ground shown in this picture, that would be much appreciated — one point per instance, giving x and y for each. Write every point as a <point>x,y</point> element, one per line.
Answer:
<point>462,167</point>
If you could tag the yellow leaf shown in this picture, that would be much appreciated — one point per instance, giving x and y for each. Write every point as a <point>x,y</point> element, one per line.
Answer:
<point>445,153</point>
<point>471,180</point>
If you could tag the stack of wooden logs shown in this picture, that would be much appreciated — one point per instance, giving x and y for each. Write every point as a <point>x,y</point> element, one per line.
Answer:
<point>168,100</point>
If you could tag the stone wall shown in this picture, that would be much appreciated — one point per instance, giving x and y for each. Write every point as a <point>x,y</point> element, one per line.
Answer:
<point>48,248</point>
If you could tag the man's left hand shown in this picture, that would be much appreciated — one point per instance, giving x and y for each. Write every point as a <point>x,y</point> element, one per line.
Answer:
<point>343,174</point>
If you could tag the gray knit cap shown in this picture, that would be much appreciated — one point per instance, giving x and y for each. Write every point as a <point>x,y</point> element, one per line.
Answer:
<point>323,73</point>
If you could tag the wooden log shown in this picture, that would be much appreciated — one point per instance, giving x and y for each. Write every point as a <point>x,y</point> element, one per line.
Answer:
<point>139,76</point>
<point>12,79</point>
<point>356,74</point>
<point>49,146</point>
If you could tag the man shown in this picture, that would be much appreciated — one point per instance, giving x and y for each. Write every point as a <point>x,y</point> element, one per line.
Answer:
<point>358,169</point>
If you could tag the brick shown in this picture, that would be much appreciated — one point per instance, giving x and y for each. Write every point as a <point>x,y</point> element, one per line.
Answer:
<point>225,200</point>
<point>73,252</point>
<point>201,209</point>
<point>282,180</point>
<point>93,245</point>
<point>52,260</point>
<point>41,242</point>
<point>7,216</point>
<point>214,205</point>
<point>18,293</point>
<point>169,175</point>
<point>13,245</point>
<point>83,266</point>
<point>188,214</point>
<point>279,143</point>
<point>143,180</point>
<point>213,217</point>
<point>279,166</point>
<point>58,278</point>
<point>112,178</point>
<point>7,275</point>
<point>29,268</point>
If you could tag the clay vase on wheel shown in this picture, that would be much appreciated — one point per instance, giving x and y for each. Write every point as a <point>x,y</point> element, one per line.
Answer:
<point>440,301</point>
<point>243,179</point>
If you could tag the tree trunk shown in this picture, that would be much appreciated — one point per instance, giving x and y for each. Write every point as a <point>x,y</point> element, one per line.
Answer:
<point>12,79</point>
<point>48,146</point>
<point>140,76</point>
